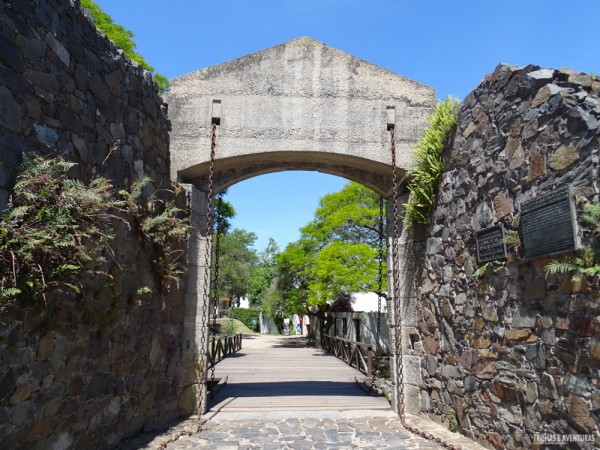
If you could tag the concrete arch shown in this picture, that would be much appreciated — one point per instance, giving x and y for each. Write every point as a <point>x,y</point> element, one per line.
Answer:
<point>301,102</point>
<point>298,106</point>
<point>229,171</point>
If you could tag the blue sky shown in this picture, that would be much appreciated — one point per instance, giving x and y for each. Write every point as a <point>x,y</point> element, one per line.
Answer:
<point>449,45</point>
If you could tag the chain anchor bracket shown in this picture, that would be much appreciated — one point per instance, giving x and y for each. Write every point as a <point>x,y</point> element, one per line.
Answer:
<point>216,113</point>
<point>391,117</point>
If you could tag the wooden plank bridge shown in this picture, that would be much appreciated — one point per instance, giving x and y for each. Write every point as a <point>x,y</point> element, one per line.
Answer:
<point>279,373</point>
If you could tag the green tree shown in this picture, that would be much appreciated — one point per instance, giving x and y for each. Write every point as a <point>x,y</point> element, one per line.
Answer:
<point>342,267</point>
<point>337,252</point>
<point>237,263</point>
<point>278,307</point>
<point>122,37</point>
<point>350,215</point>
<point>264,274</point>
<point>223,213</point>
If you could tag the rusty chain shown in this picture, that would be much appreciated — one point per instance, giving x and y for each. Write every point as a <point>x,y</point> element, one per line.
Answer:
<point>207,261</point>
<point>380,257</point>
<point>205,295</point>
<point>398,310</point>
<point>215,284</point>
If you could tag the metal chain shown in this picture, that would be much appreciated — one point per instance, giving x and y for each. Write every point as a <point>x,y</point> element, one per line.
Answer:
<point>219,222</point>
<point>380,257</point>
<point>398,309</point>
<point>207,259</point>
<point>205,295</point>
<point>395,287</point>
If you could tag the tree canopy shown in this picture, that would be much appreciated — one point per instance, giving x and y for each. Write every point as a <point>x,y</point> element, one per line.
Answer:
<point>237,263</point>
<point>337,252</point>
<point>264,274</point>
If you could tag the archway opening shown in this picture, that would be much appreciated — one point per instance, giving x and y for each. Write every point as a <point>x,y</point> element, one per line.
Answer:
<point>331,225</point>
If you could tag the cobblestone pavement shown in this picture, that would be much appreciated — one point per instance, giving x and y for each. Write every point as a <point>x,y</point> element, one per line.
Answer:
<point>309,430</point>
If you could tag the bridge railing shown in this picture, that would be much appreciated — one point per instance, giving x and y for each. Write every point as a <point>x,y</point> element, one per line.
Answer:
<point>223,346</point>
<point>356,354</point>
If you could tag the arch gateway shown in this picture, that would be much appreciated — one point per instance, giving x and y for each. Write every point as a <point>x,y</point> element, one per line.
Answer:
<point>298,106</point>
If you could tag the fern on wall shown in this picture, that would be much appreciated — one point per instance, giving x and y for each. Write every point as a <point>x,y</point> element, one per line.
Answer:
<point>429,151</point>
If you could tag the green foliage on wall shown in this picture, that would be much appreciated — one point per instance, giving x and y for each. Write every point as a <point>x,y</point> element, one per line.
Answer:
<point>161,224</point>
<point>122,37</point>
<point>248,316</point>
<point>586,265</point>
<point>425,177</point>
<point>452,420</point>
<point>56,233</point>
<point>53,229</point>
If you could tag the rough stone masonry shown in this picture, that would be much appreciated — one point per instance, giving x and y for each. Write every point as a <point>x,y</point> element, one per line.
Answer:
<point>509,354</point>
<point>512,353</point>
<point>110,364</point>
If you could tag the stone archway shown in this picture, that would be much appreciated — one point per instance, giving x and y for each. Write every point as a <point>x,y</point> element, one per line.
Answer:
<point>298,106</point>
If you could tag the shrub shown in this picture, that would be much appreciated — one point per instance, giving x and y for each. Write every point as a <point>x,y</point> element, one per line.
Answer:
<point>343,303</point>
<point>229,328</point>
<point>248,316</point>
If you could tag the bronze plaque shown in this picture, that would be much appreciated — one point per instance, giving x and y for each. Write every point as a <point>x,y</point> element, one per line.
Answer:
<point>490,244</point>
<point>548,224</point>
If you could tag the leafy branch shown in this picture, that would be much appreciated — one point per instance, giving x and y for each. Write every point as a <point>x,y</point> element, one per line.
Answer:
<point>482,270</point>
<point>587,263</point>
<point>430,162</point>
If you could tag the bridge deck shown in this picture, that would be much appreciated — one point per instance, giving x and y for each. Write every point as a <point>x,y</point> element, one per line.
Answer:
<point>276,373</point>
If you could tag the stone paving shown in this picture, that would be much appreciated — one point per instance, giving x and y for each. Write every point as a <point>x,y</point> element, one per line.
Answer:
<point>272,419</point>
<point>304,430</point>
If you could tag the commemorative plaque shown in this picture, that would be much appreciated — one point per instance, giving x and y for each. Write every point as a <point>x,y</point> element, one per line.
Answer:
<point>548,224</point>
<point>490,244</point>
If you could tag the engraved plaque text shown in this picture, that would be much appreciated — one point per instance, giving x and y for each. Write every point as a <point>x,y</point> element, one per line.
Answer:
<point>548,224</point>
<point>490,244</point>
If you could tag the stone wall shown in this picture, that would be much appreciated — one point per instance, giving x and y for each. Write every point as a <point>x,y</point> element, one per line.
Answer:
<point>108,363</point>
<point>512,353</point>
<point>65,89</point>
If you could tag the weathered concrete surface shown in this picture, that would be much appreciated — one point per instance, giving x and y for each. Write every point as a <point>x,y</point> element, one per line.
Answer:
<point>298,106</point>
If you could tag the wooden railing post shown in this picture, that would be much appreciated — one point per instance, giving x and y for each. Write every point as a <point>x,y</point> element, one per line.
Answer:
<point>220,348</point>
<point>356,354</point>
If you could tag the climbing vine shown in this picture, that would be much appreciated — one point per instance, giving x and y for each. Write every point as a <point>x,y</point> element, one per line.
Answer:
<point>57,230</point>
<point>430,162</point>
